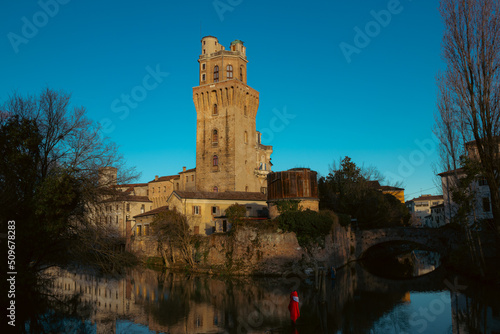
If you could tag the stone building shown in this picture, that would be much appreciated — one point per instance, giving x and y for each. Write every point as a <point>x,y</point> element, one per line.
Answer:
<point>231,162</point>
<point>481,206</point>
<point>206,210</point>
<point>120,203</point>
<point>299,184</point>
<point>229,152</point>
<point>436,218</point>
<point>420,208</point>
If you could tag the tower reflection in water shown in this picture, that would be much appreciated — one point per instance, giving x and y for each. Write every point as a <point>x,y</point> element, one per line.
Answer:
<point>355,302</point>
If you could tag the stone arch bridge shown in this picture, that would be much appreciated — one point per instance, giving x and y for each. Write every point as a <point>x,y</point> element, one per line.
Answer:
<point>436,239</point>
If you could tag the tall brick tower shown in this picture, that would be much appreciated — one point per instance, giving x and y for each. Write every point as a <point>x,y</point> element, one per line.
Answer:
<point>229,154</point>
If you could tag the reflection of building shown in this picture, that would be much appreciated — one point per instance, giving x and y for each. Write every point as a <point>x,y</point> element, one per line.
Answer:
<point>172,303</point>
<point>420,208</point>
<point>108,298</point>
<point>471,314</point>
<point>127,298</point>
<point>424,262</point>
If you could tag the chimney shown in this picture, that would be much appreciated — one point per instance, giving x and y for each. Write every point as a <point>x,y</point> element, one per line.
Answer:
<point>156,177</point>
<point>184,168</point>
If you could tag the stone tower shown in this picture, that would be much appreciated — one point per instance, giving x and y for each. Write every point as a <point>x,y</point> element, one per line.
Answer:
<point>229,154</point>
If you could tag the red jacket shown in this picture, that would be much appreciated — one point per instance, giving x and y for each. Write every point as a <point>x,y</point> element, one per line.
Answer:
<point>293,307</point>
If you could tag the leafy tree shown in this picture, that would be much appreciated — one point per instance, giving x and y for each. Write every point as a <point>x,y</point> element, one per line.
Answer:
<point>172,231</point>
<point>235,214</point>
<point>349,190</point>
<point>469,90</point>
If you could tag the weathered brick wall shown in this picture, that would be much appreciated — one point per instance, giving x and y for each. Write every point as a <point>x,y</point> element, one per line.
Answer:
<point>259,252</point>
<point>144,247</point>
<point>256,251</point>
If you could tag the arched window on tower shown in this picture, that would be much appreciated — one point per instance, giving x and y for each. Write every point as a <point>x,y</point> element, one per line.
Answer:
<point>245,110</point>
<point>216,189</point>
<point>215,161</point>
<point>229,71</point>
<point>215,137</point>
<point>241,73</point>
<point>216,73</point>
<point>215,111</point>
<point>245,137</point>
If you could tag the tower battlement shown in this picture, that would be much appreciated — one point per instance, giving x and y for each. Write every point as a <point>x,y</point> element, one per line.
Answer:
<point>218,64</point>
<point>229,154</point>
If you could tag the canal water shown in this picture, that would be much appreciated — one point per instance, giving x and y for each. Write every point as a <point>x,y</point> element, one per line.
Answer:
<point>356,301</point>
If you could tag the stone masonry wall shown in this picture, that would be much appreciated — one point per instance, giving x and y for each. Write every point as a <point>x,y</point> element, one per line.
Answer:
<point>253,251</point>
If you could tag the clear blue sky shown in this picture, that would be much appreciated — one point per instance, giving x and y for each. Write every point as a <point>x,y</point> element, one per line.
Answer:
<point>374,105</point>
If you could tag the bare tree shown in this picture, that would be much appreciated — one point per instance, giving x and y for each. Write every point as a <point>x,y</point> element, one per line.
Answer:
<point>49,173</point>
<point>469,90</point>
<point>172,231</point>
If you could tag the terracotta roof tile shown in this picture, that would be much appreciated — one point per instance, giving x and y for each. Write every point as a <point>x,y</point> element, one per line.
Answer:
<point>153,212</point>
<point>188,171</point>
<point>165,178</point>
<point>451,172</point>
<point>131,185</point>
<point>427,198</point>
<point>128,198</point>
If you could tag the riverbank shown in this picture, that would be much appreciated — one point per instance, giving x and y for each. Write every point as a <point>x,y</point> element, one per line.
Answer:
<point>254,250</point>
<point>257,251</point>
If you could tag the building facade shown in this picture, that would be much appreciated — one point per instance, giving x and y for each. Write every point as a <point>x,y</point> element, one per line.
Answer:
<point>481,206</point>
<point>231,162</point>
<point>229,152</point>
<point>420,208</point>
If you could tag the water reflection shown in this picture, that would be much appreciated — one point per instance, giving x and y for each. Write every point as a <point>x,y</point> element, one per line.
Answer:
<point>399,260</point>
<point>357,301</point>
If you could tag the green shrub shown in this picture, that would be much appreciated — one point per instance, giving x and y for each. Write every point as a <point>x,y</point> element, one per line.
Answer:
<point>286,205</point>
<point>309,226</point>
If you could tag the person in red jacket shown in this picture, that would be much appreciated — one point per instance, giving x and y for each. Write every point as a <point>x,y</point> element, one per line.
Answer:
<point>293,307</point>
